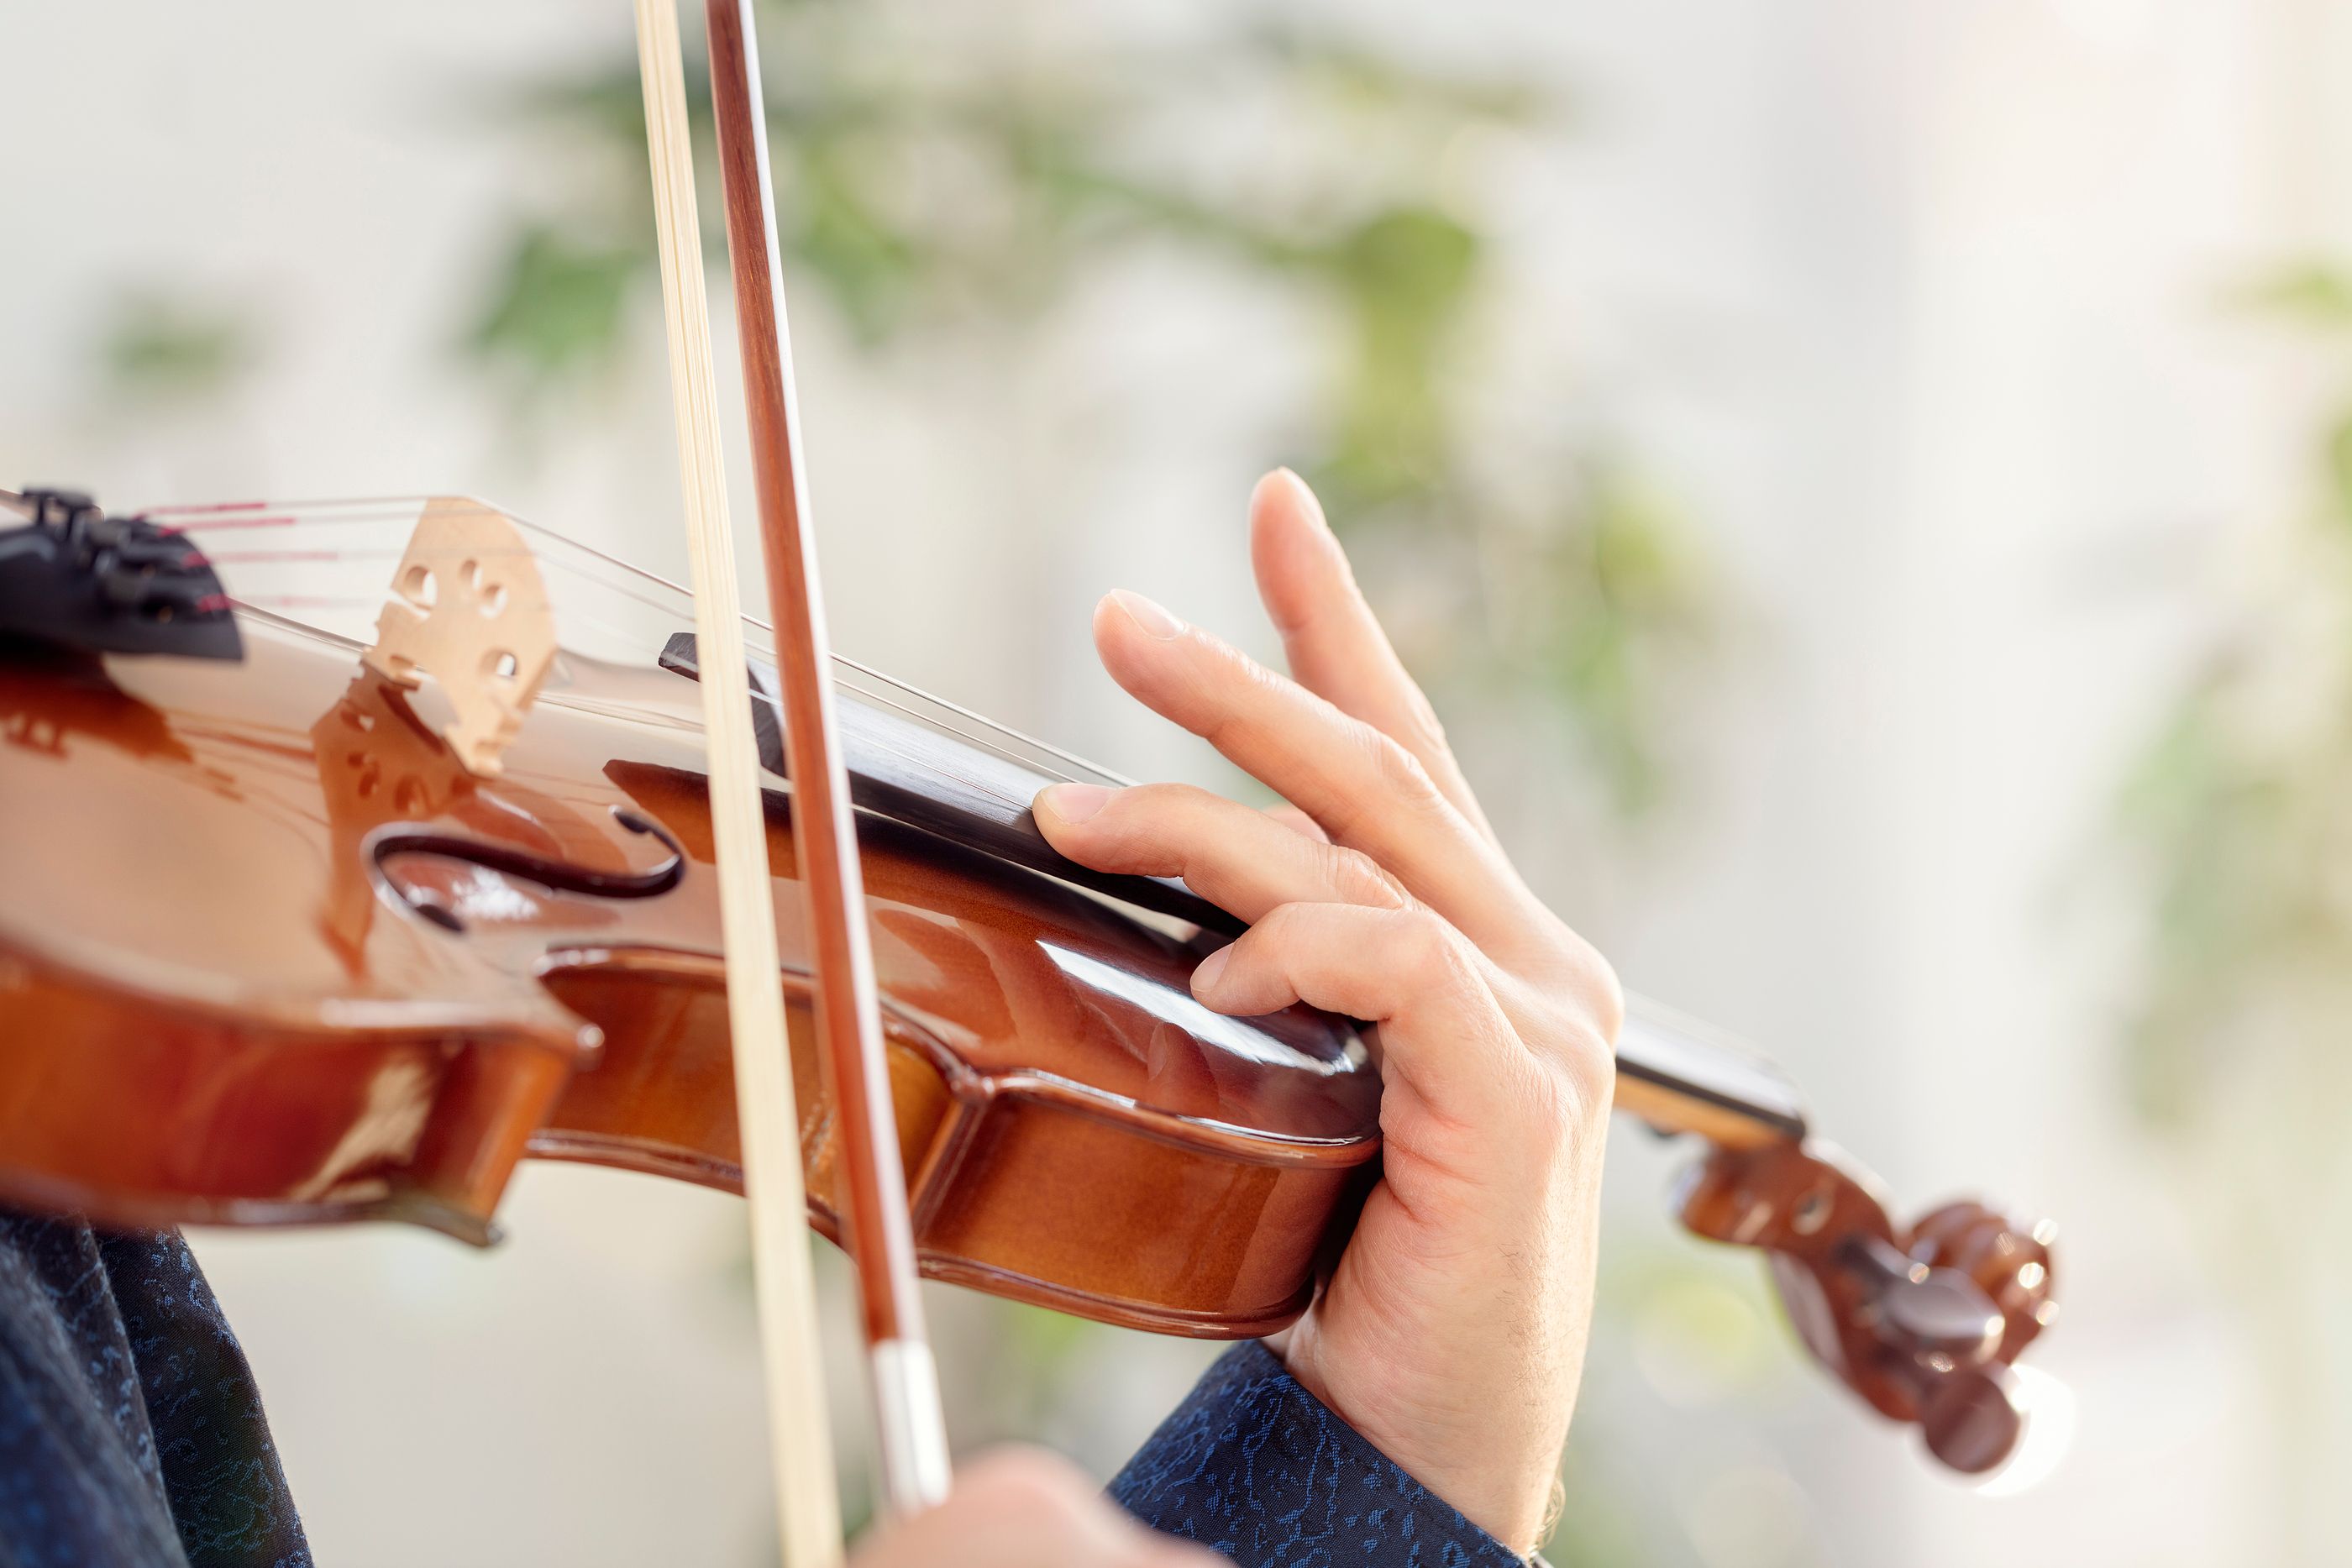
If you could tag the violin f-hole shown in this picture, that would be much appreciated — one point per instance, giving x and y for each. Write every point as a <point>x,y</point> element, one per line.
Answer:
<point>389,845</point>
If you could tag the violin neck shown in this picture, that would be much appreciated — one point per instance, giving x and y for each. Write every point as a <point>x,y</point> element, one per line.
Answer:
<point>935,768</point>
<point>925,765</point>
<point>1682,1076</point>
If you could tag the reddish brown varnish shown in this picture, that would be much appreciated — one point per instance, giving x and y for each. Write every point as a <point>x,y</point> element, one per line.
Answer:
<point>267,954</point>
<point>1923,1324</point>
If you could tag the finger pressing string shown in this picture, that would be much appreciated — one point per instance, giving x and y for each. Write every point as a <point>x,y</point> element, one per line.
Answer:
<point>1243,861</point>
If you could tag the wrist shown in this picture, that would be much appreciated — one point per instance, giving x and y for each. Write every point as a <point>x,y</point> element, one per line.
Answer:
<point>1515,1500</point>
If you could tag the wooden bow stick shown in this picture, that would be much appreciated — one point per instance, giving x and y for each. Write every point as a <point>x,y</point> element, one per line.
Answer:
<point>874,1221</point>
<point>875,1224</point>
<point>807,1504</point>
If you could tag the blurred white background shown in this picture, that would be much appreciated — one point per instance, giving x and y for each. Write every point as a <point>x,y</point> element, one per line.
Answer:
<point>1926,322</point>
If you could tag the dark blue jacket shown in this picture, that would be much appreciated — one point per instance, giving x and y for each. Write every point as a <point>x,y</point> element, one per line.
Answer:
<point>131,1437</point>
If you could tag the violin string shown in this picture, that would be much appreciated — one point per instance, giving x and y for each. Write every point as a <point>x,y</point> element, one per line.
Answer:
<point>299,520</point>
<point>300,600</point>
<point>949,717</point>
<point>984,722</point>
<point>313,503</point>
<point>976,786</point>
<point>290,557</point>
<point>928,722</point>
<point>670,611</point>
<point>269,763</point>
<point>314,520</point>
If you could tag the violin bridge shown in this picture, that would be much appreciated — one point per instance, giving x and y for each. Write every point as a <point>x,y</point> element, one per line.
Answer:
<point>467,607</point>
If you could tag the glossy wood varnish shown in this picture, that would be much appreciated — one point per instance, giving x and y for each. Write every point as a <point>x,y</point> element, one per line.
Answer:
<point>267,956</point>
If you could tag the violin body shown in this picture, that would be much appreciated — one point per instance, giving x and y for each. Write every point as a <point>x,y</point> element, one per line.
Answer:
<point>268,954</point>
<point>290,934</point>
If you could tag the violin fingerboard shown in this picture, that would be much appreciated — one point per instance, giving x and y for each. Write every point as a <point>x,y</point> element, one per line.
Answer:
<point>921,777</point>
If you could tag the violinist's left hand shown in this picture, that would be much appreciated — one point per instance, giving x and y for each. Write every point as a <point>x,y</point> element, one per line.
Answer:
<point>1451,1335</point>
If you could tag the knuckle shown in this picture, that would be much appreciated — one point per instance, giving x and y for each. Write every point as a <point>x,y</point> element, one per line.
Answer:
<point>1156,815</point>
<point>1236,688</point>
<point>1571,972</point>
<point>1144,808</point>
<point>1558,1109</point>
<point>1435,958</point>
<point>1297,822</point>
<point>1402,775</point>
<point>1396,768</point>
<point>1356,878</point>
<point>1185,800</point>
<point>1556,1086</point>
<point>1581,1074</point>
<point>1158,826</point>
<point>1420,716</point>
<point>1608,997</point>
<point>1589,981</point>
<point>1579,1041</point>
<point>1282,944</point>
<point>1280,927</point>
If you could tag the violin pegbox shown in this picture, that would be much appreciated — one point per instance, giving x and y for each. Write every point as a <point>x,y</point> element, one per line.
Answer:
<point>467,607</point>
<point>1923,1324</point>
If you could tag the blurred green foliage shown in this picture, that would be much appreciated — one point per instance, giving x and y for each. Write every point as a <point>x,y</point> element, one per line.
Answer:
<point>2242,800</point>
<point>159,348</point>
<point>930,179</point>
<point>2240,814</point>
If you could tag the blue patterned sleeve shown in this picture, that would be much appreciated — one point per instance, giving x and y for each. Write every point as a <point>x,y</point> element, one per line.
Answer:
<point>1255,1467</point>
<point>130,1431</point>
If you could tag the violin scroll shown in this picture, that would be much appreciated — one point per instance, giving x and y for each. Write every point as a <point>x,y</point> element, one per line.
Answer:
<point>1923,1324</point>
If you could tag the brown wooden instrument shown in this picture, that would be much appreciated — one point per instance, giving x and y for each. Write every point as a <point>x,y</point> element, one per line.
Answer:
<point>270,953</point>
<point>289,936</point>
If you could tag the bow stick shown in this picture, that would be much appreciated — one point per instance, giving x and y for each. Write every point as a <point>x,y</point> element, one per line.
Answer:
<point>807,1502</point>
<point>876,1228</point>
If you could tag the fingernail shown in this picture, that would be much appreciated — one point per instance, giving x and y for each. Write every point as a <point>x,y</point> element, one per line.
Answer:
<point>1074,803</point>
<point>1204,978</point>
<point>1155,623</point>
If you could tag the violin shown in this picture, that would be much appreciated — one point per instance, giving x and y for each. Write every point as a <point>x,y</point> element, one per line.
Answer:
<point>271,953</point>
<point>357,851</point>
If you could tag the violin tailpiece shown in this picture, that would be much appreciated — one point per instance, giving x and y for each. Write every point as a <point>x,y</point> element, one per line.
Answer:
<point>467,607</point>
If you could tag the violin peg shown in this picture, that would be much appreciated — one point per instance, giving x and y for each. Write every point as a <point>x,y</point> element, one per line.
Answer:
<point>1921,1324</point>
<point>2011,1263</point>
<point>1973,1418</point>
<point>1936,1316</point>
